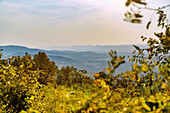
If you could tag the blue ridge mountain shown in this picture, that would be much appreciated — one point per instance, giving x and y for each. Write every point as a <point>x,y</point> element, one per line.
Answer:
<point>93,60</point>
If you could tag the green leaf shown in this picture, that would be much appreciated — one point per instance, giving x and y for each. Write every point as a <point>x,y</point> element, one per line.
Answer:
<point>88,95</point>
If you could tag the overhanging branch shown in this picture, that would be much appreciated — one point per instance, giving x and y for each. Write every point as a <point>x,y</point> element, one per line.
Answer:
<point>148,8</point>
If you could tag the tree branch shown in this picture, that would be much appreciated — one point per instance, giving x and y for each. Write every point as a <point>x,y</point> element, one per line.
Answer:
<point>148,8</point>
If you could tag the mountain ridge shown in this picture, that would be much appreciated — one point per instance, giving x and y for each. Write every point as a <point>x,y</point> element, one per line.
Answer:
<point>91,60</point>
<point>95,48</point>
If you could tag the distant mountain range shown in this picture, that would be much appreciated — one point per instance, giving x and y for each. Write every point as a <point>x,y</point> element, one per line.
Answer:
<point>91,58</point>
<point>96,48</point>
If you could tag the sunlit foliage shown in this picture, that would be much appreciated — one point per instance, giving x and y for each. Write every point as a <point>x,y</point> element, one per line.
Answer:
<point>37,85</point>
<point>18,84</point>
<point>144,88</point>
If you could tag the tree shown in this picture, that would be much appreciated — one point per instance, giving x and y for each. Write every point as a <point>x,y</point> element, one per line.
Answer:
<point>70,76</point>
<point>158,49</point>
<point>47,69</point>
<point>18,83</point>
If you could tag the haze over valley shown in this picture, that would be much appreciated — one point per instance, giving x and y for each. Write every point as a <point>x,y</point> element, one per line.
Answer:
<point>91,58</point>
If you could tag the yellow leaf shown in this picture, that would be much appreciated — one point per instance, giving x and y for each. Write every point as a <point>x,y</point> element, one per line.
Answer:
<point>138,79</point>
<point>22,83</point>
<point>138,107</point>
<point>144,67</point>
<point>134,76</point>
<point>166,81</point>
<point>32,98</point>
<point>105,97</point>
<point>97,81</point>
<point>144,105</point>
<point>152,99</point>
<point>118,59</point>
<point>21,66</point>
<point>133,51</point>
<point>136,102</point>
<point>83,111</point>
<point>3,106</point>
<point>108,70</point>
<point>139,52</point>
<point>135,66</point>
<point>32,81</point>
<point>164,85</point>
<point>158,75</point>
<point>23,111</point>
<point>107,88</point>
<point>96,75</point>
<point>103,84</point>
<point>138,112</point>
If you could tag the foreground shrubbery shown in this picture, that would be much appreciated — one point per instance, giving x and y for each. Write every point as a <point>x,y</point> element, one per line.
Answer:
<point>22,78</point>
<point>28,86</point>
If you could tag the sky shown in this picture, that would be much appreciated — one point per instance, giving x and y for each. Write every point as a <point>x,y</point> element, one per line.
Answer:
<point>45,23</point>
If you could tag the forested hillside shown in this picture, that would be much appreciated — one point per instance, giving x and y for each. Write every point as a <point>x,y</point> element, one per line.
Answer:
<point>89,60</point>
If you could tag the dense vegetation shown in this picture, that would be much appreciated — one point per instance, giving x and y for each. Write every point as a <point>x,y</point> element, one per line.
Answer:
<point>38,85</point>
<point>33,85</point>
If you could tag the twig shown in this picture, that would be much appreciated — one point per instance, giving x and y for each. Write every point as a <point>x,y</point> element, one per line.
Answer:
<point>152,9</point>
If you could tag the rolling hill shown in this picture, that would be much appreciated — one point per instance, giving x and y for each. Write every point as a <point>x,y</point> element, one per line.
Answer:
<point>92,60</point>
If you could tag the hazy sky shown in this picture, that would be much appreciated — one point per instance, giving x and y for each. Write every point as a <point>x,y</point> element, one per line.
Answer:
<point>41,23</point>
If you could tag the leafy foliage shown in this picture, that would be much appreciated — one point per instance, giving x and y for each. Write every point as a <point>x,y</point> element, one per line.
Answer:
<point>70,75</point>
<point>17,84</point>
<point>34,85</point>
<point>135,16</point>
<point>144,88</point>
<point>47,69</point>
